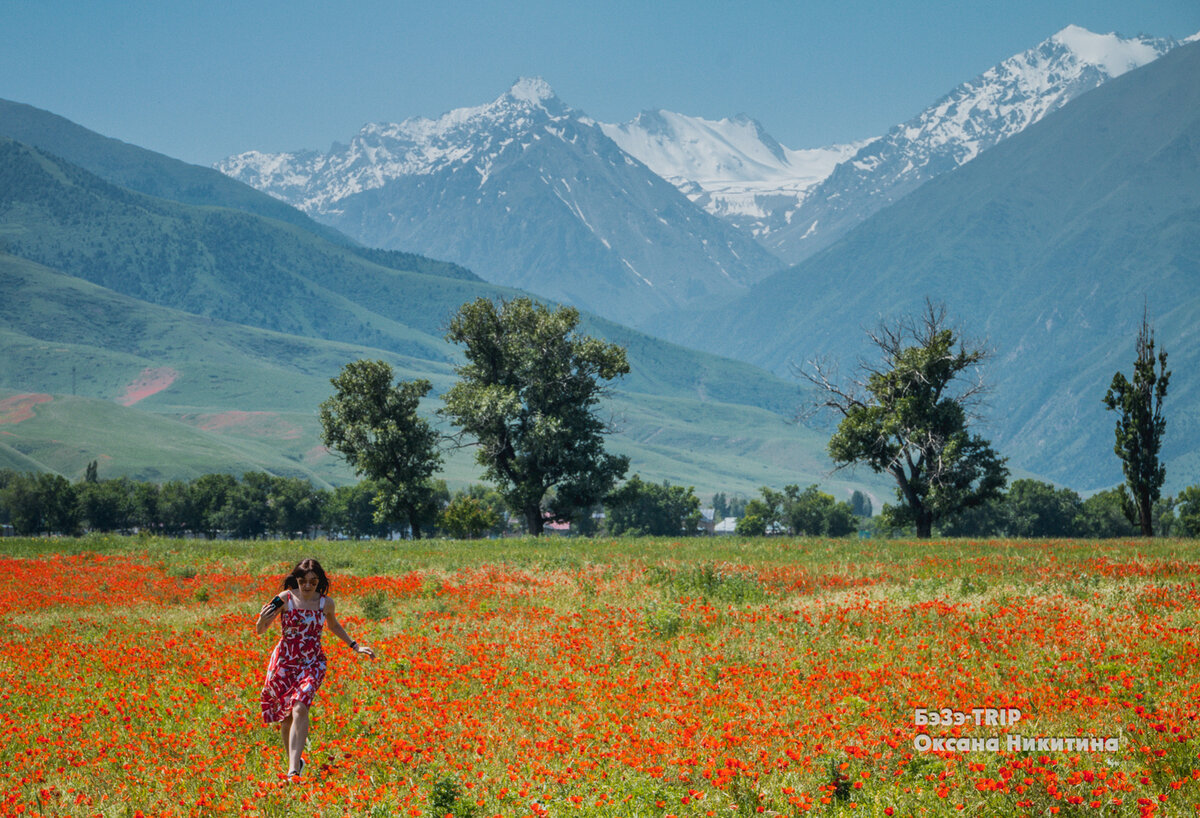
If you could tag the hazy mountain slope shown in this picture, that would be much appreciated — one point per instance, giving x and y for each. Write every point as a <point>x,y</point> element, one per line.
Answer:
<point>972,118</point>
<point>1048,244</point>
<point>154,174</point>
<point>204,395</point>
<point>527,192</point>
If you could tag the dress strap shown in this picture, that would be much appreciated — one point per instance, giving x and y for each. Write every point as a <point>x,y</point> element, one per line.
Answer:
<point>291,601</point>
<point>322,608</point>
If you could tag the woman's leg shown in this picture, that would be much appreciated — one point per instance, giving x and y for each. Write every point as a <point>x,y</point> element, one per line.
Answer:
<point>285,733</point>
<point>299,734</point>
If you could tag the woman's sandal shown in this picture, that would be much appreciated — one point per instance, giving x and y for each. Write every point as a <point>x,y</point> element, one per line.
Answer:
<point>297,772</point>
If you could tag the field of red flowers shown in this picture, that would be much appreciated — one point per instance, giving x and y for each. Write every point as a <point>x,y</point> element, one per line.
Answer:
<point>638,678</point>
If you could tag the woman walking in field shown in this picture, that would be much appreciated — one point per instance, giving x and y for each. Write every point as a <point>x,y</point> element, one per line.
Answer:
<point>297,665</point>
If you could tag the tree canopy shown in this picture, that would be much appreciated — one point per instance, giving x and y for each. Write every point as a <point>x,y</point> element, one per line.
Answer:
<point>908,417</point>
<point>528,396</point>
<point>374,424</point>
<point>1140,428</point>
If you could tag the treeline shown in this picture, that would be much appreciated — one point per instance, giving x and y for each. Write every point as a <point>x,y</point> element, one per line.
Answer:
<point>262,505</point>
<point>1032,508</point>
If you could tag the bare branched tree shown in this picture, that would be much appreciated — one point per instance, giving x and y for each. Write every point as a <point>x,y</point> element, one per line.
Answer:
<point>907,415</point>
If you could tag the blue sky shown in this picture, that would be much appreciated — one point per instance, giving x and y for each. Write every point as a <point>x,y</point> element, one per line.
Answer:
<point>202,80</point>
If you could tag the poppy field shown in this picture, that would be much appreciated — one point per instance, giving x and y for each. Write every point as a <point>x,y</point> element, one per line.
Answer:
<point>610,678</point>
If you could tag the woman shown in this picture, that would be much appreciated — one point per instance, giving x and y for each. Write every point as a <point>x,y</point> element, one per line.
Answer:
<point>297,665</point>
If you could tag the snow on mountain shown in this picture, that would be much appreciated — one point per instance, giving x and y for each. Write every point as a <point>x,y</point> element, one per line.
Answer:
<point>526,192</point>
<point>731,167</point>
<point>316,182</point>
<point>976,115</point>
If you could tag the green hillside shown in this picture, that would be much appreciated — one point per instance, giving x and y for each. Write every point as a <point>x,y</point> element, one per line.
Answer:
<point>206,395</point>
<point>1047,247</point>
<point>249,270</point>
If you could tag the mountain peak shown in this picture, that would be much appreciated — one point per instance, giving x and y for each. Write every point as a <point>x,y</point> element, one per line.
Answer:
<point>1110,52</point>
<point>533,90</point>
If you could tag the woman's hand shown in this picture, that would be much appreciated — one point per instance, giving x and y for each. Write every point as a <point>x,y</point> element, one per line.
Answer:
<point>267,613</point>
<point>366,651</point>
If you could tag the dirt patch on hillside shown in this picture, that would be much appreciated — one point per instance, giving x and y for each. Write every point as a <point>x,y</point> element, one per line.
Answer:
<point>20,407</point>
<point>246,424</point>
<point>151,381</point>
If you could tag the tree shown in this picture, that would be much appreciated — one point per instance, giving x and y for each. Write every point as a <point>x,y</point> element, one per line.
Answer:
<point>106,505</point>
<point>467,518</point>
<point>207,496</point>
<point>374,424</point>
<point>351,511</point>
<point>653,509</point>
<point>1033,508</point>
<point>860,504</point>
<point>906,418</point>
<point>1104,515</point>
<point>296,506</point>
<point>1189,511</point>
<point>528,395</point>
<point>1140,429</point>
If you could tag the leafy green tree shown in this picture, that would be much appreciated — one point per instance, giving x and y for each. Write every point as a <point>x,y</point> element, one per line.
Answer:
<point>906,418</point>
<point>7,476</point>
<point>22,504</point>
<point>1033,508</point>
<point>41,503</point>
<point>106,505</point>
<point>246,512</point>
<point>351,511</point>
<point>210,493</point>
<point>750,525</point>
<point>652,509</point>
<point>145,506</point>
<point>1140,428</point>
<point>1104,515</point>
<point>771,508</point>
<point>374,424</point>
<point>1188,508</point>
<point>988,519</point>
<point>528,395</point>
<point>720,505</point>
<point>178,510</point>
<point>467,518</point>
<point>296,506</point>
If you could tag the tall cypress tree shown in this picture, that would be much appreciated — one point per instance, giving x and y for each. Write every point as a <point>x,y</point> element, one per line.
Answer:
<point>1140,428</point>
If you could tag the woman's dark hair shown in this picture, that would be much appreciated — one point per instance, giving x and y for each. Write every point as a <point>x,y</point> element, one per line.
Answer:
<point>292,580</point>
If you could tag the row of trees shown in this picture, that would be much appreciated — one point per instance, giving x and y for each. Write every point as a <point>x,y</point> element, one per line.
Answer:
<point>1032,508</point>
<point>908,417</point>
<point>526,398</point>
<point>264,505</point>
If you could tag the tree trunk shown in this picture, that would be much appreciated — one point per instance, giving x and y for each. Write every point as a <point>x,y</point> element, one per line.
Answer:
<point>1145,512</point>
<point>533,520</point>
<point>924,524</point>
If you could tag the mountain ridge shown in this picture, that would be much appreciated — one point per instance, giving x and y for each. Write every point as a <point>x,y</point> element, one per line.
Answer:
<point>527,192</point>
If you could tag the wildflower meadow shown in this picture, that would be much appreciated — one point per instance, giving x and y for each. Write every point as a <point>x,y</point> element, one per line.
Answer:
<point>639,677</point>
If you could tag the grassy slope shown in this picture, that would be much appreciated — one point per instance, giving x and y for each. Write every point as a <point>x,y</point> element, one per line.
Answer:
<point>51,323</point>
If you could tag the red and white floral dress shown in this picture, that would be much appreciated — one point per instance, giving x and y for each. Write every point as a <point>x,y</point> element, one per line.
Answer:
<point>297,665</point>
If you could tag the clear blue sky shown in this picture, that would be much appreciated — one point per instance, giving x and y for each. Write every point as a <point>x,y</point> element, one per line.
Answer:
<point>201,79</point>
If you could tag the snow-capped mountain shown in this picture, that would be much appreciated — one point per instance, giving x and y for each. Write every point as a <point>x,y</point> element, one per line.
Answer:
<point>526,192</point>
<point>732,168</point>
<point>972,118</point>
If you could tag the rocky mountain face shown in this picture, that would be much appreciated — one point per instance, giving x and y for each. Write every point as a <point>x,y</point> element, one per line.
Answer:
<point>795,202</point>
<point>1000,103</point>
<point>527,192</point>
